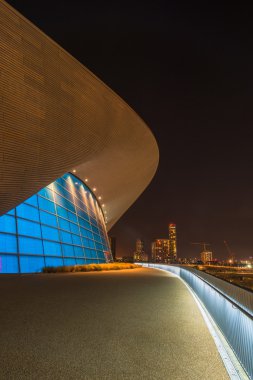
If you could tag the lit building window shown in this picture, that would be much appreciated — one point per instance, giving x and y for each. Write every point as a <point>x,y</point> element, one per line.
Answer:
<point>59,225</point>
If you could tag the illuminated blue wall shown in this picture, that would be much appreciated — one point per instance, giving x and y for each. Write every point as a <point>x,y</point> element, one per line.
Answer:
<point>61,225</point>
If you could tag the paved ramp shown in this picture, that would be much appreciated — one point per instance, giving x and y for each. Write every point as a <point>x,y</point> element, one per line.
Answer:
<point>131,324</point>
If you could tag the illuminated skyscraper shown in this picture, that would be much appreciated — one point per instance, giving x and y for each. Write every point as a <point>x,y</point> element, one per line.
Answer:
<point>206,256</point>
<point>139,254</point>
<point>160,251</point>
<point>172,242</point>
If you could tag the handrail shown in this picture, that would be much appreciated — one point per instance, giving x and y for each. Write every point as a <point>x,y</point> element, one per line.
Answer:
<point>223,295</point>
<point>232,317</point>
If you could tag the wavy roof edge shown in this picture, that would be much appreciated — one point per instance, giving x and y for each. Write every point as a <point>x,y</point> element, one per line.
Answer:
<point>56,116</point>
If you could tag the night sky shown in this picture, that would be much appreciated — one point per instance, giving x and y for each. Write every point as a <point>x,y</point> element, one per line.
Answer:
<point>187,70</point>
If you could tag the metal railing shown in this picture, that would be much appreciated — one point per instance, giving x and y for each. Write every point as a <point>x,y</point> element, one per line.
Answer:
<point>230,306</point>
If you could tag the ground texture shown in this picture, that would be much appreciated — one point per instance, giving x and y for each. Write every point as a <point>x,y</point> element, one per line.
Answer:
<point>130,324</point>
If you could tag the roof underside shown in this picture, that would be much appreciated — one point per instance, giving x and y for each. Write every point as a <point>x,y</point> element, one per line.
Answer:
<point>56,116</point>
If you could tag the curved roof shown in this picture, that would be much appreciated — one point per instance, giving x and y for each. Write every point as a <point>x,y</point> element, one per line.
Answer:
<point>56,116</point>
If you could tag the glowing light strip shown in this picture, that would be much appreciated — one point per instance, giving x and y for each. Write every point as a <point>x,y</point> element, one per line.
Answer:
<point>231,363</point>
<point>229,359</point>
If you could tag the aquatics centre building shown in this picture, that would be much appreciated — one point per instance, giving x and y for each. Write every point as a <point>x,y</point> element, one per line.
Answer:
<point>74,156</point>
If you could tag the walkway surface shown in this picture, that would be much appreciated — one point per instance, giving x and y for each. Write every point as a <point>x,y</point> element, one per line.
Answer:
<point>131,324</point>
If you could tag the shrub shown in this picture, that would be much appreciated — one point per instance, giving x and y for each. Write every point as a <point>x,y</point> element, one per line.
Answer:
<point>89,267</point>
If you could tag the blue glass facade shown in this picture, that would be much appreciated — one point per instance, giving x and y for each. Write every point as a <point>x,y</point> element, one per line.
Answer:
<point>62,224</point>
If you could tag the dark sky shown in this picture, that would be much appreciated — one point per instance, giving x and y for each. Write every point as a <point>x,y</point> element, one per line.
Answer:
<point>187,70</point>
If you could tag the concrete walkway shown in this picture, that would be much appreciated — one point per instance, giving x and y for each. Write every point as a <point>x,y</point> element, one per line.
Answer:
<point>131,324</point>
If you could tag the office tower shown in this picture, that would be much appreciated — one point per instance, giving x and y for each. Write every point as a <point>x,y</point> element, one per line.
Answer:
<point>206,256</point>
<point>160,251</point>
<point>139,254</point>
<point>172,242</point>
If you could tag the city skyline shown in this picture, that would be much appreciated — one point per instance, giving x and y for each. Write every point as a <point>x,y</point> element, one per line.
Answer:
<point>186,70</point>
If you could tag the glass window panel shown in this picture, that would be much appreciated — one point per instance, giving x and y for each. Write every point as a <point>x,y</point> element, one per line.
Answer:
<point>94,253</point>
<point>97,237</point>
<point>93,221</point>
<point>53,261</point>
<point>68,177</point>
<point>68,195</point>
<point>47,218</point>
<point>76,240</point>
<point>28,228</point>
<point>85,242</point>
<point>62,211</point>
<point>83,232</point>
<point>68,183</point>
<point>7,224</point>
<point>83,214</point>
<point>84,207</point>
<point>52,248</point>
<point>67,190</point>
<point>9,264</point>
<point>11,212</point>
<point>84,223</point>
<point>100,254</point>
<point>74,228</point>
<point>46,205</point>
<point>51,186</point>
<point>90,234</point>
<point>69,261</point>
<point>64,224</point>
<point>60,181</point>
<point>50,233</point>
<point>80,204</point>
<point>87,225</point>
<point>67,250</point>
<point>98,246</point>
<point>81,222</point>
<point>47,193</point>
<point>105,247</point>
<point>32,201</point>
<point>90,261</point>
<point>101,261</point>
<point>31,264</point>
<point>65,237</point>
<point>81,261</point>
<point>79,251</point>
<point>72,217</point>
<point>28,212</point>
<point>58,188</point>
<point>95,229</point>
<point>30,246</point>
<point>92,215</point>
<point>88,252</point>
<point>64,202</point>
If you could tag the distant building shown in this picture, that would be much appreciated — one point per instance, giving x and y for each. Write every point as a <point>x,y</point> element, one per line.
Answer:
<point>112,241</point>
<point>206,256</point>
<point>139,254</point>
<point>160,251</point>
<point>172,242</point>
